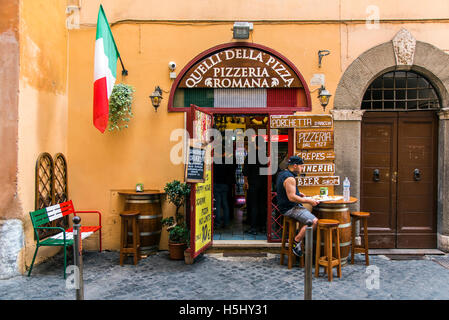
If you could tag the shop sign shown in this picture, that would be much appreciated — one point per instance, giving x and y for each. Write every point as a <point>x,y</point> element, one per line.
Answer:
<point>203,212</point>
<point>301,121</point>
<point>318,155</point>
<point>241,67</point>
<point>314,139</point>
<point>319,168</point>
<point>316,181</point>
<point>194,169</point>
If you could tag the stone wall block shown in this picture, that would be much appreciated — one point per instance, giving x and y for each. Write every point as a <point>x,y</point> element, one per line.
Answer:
<point>11,243</point>
<point>357,77</point>
<point>344,98</point>
<point>379,59</point>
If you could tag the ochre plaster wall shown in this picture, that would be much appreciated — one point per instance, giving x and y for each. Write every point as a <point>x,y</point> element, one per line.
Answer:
<point>56,80</point>
<point>43,102</point>
<point>101,163</point>
<point>9,79</point>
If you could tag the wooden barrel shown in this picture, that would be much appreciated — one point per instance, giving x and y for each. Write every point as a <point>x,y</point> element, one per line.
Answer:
<point>341,213</point>
<point>150,217</point>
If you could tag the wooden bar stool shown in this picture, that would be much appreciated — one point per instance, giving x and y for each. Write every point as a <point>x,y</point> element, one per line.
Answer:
<point>290,224</point>
<point>327,261</point>
<point>360,216</point>
<point>130,218</point>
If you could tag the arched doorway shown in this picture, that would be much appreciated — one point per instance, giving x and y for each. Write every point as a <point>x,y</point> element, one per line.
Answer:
<point>399,160</point>
<point>240,85</point>
<point>395,55</point>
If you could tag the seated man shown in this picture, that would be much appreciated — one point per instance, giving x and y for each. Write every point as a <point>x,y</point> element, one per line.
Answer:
<point>290,200</point>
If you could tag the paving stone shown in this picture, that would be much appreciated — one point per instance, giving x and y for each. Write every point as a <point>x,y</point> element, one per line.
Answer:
<point>214,277</point>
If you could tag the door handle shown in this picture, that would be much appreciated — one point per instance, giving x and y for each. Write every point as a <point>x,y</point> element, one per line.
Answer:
<point>395,177</point>
<point>417,175</point>
<point>376,175</point>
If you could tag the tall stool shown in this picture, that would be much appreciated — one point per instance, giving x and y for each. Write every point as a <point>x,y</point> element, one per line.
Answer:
<point>290,224</point>
<point>327,261</point>
<point>360,216</point>
<point>130,218</point>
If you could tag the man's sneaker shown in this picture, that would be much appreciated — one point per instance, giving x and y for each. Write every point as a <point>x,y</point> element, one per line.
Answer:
<point>297,249</point>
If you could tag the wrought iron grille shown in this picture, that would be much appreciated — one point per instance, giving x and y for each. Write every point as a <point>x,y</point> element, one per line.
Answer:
<point>46,194</point>
<point>400,91</point>
<point>275,234</point>
<point>60,190</point>
<point>44,181</point>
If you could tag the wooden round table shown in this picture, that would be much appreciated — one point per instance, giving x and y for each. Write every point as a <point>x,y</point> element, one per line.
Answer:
<point>338,210</point>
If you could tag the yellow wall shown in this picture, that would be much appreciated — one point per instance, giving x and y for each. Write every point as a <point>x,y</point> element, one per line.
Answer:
<point>43,100</point>
<point>56,79</point>
<point>111,161</point>
<point>266,10</point>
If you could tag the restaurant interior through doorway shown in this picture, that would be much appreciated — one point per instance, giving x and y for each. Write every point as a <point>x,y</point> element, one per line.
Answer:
<point>231,173</point>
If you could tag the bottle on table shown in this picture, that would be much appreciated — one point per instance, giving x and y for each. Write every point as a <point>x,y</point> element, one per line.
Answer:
<point>346,189</point>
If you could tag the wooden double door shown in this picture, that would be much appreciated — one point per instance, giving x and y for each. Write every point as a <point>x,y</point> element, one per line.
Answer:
<point>399,178</point>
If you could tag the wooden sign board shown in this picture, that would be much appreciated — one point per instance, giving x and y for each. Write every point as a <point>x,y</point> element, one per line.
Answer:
<point>194,169</point>
<point>240,67</point>
<point>319,155</point>
<point>314,139</point>
<point>319,168</point>
<point>317,181</point>
<point>301,121</point>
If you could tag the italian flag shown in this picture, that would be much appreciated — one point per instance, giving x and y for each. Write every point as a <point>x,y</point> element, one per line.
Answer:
<point>106,55</point>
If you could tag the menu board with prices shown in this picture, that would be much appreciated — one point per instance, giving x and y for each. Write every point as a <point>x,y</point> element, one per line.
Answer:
<point>314,143</point>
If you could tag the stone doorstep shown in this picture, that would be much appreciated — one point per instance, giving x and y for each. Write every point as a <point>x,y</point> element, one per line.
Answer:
<point>406,252</point>
<point>220,245</point>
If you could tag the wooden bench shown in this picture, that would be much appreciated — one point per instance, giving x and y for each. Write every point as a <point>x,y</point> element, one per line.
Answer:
<point>65,237</point>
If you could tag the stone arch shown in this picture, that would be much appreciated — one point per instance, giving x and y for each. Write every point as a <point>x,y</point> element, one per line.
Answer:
<point>401,53</point>
<point>427,60</point>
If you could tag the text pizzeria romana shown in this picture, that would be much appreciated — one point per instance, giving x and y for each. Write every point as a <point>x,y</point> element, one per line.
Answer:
<point>239,75</point>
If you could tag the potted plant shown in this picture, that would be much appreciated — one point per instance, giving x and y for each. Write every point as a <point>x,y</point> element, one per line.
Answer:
<point>178,233</point>
<point>120,101</point>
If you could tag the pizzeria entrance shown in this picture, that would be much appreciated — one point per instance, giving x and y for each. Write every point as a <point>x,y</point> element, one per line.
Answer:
<point>237,86</point>
<point>243,184</point>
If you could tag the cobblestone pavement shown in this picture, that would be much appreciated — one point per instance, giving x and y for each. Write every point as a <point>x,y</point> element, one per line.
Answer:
<point>214,277</point>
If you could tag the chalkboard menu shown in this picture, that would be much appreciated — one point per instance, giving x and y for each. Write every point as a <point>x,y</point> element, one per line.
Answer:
<point>194,171</point>
<point>314,143</point>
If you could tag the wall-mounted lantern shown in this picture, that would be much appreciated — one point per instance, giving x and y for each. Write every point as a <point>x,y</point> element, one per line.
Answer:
<point>324,97</point>
<point>156,97</point>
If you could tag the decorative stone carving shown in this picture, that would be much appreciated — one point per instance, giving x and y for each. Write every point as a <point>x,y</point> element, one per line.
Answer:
<point>404,45</point>
<point>443,114</point>
<point>347,115</point>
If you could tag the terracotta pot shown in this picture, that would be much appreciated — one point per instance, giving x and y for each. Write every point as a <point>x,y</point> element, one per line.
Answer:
<point>176,250</point>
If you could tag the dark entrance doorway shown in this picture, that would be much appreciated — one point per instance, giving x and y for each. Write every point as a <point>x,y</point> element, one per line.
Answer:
<point>399,161</point>
<point>249,207</point>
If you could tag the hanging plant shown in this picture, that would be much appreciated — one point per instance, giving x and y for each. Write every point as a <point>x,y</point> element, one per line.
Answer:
<point>120,112</point>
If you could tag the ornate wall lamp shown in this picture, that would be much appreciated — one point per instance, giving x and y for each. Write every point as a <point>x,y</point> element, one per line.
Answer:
<point>324,97</point>
<point>156,98</point>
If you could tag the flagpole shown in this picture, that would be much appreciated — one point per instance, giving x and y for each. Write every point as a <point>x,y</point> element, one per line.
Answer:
<point>124,71</point>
